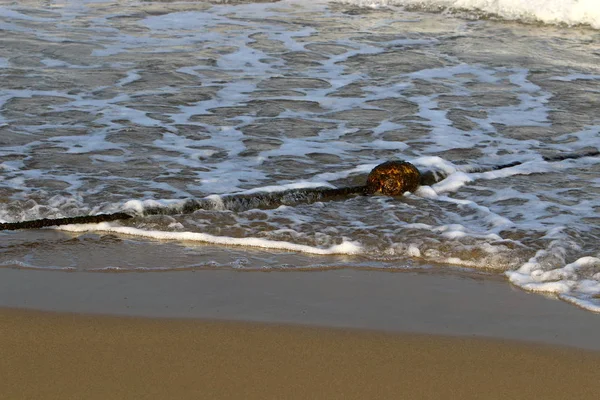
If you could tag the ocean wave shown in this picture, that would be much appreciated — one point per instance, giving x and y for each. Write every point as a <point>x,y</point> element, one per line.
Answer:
<point>559,12</point>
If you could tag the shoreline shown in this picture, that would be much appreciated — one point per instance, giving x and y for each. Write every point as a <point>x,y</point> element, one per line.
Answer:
<point>394,302</point>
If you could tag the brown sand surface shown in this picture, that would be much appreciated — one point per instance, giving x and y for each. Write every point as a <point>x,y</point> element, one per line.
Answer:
<point>74,356</point>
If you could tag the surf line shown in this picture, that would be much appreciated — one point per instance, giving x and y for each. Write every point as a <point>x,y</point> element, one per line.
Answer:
<point>392,178</point>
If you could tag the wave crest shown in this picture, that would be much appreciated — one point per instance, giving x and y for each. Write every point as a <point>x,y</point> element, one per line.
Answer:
<point>558,12</point>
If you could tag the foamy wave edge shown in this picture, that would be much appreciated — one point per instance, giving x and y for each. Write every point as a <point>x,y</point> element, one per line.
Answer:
<point>562,282</point>
<point>344,248</point>
<point>568,12</point>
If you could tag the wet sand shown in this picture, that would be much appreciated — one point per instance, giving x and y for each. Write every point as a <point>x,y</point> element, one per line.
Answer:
<point>69,356</point>
<point>431,302</point>
<point>289,335</point>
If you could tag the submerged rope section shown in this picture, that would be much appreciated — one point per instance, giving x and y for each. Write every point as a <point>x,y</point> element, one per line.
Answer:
<point>392,178</point>
<point>429,177</point>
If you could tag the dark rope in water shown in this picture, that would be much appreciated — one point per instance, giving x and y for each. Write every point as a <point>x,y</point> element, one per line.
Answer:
<point>238,203</point>
<point>45,222</point>
<point>556,158</point>
<point>242,202</point>
<point>428,178</point>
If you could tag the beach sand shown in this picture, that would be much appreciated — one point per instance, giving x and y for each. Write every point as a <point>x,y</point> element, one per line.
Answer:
<point>289,335</point>
<point>69,356</point>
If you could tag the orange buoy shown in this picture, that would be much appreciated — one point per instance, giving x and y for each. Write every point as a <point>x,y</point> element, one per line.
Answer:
<point>393,178</point>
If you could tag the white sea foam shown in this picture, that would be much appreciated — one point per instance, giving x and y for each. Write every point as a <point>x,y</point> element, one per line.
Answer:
<point>345,247</point>
<point>570,12</point>
<point>289,186</point>
<point>577,282</point>
<point>452,183</point>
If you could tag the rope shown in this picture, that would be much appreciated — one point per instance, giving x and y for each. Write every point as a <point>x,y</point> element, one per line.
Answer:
<point>428,178</point>
<point>42,223</point>
<point>243,202</point>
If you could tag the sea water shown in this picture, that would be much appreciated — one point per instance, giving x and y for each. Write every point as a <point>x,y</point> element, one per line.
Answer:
<point>108,106</point>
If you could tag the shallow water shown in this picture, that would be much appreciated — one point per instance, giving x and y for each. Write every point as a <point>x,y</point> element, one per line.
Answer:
<point>106,106</point>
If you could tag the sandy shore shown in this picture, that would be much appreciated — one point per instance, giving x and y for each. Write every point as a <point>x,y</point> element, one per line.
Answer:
<point>337,334</point>
<point>69,356</point>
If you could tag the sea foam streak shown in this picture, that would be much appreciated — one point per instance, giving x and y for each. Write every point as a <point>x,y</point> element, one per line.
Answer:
<point>345,247</point>
<point>570,12</point>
